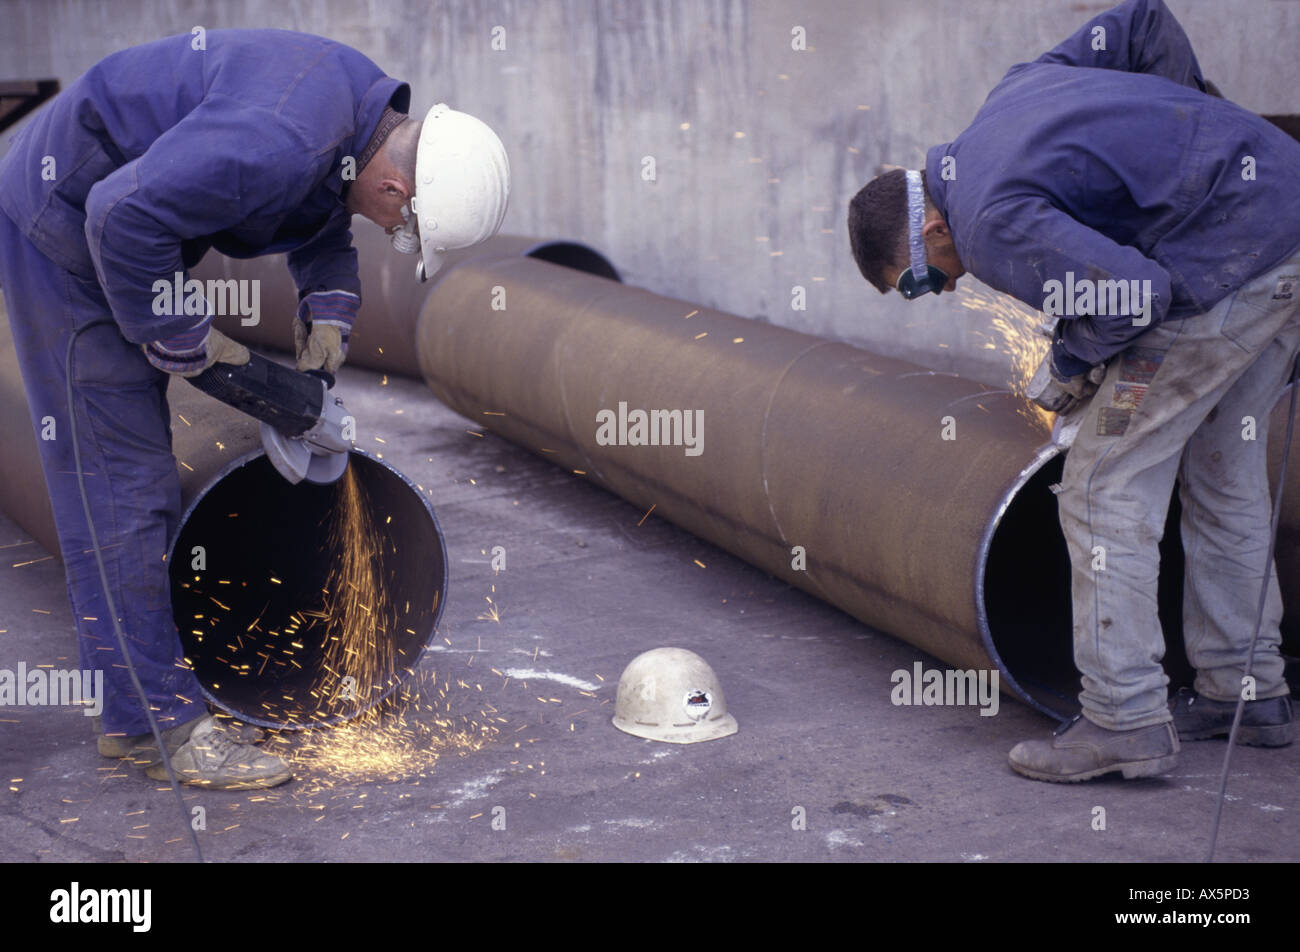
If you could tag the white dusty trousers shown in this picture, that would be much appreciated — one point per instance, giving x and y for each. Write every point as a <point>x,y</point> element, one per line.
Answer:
<point>1190,400</point>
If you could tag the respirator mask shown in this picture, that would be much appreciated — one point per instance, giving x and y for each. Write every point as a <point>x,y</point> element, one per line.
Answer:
<point>406,240</point>
<point>406,236</point>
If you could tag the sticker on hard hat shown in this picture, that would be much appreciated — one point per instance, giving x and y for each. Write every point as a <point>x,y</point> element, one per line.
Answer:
<point>698,704</point>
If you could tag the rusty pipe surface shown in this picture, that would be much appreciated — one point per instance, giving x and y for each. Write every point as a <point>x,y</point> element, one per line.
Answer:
<point>918,499</point>
<point>22,483</point>
<point>383,336</point>
<point>921,501</point>
<point>264,550</point>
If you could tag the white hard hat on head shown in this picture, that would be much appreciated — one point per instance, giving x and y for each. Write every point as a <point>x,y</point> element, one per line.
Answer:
<point>462,183</point>
<point>672,694</point>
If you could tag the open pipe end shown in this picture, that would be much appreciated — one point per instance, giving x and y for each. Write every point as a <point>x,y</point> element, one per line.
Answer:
<point>572,254</point>
<point>1025,612</point>
<point>302,606</point>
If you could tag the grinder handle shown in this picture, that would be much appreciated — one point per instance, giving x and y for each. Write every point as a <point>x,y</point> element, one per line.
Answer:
<point>323,375</point>
<point>290,401</point>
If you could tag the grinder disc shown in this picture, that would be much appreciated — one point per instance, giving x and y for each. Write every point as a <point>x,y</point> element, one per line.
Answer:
<point>291,458</point>
<point>326,468</point>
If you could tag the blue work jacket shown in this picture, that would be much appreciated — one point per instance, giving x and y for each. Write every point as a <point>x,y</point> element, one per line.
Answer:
<point>1105,160</point>
<point>162,151</point>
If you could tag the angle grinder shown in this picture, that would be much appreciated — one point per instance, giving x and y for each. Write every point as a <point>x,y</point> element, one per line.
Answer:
<point>306,430</point>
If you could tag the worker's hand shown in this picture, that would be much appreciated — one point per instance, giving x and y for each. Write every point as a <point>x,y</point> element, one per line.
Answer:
<point>182,356</point>
<point>322,328</point>
<point>1059,394</point>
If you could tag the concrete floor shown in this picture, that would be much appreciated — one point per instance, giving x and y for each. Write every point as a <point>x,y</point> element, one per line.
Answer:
<point>585,590</point>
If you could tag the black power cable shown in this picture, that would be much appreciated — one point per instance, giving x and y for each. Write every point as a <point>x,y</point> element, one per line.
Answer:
<point>108,596</point>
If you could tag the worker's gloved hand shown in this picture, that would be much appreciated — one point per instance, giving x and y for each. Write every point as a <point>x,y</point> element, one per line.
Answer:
<point>322,328</point>
<point>1057,393</point>
<point>191,353</point>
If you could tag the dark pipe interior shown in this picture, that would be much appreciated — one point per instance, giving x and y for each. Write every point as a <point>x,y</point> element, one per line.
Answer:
<point>268,552</point>
<point>569,254</point>
<point>1027,596</point>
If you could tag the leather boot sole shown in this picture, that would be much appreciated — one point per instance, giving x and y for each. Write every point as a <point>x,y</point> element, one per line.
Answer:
<point>1131,770</point>
<point>1271,735</point>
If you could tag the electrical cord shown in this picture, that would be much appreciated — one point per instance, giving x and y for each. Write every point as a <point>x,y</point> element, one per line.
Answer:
<point>1259,613</point>
<point>69,365</point>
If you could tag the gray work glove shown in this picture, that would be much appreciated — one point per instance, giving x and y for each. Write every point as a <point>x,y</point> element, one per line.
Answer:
<point>186,358</point>
<point>1062,395</point>
<point>322,329</point>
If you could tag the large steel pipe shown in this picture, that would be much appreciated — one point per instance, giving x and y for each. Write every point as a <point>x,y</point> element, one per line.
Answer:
<point>921,501</point>
<point>891,480</point>
<point>253,557</point>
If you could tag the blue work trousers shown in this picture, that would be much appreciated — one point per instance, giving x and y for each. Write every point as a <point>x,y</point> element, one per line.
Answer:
<point>131,481</point>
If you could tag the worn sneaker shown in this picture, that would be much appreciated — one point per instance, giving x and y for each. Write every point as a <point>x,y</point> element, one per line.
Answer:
<point>1081,750</point>
<point>1265,723</point>
<point>142,751</point>
<point>216,758</point>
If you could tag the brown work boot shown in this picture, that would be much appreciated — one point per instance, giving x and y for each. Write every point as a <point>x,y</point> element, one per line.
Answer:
<point>1081,750</point>
<point>216,758</point>
<point>141,749</point>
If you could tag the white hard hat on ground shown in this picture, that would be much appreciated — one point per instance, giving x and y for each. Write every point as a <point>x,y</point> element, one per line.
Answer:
<point>672,694</point>
<point>462,183</point>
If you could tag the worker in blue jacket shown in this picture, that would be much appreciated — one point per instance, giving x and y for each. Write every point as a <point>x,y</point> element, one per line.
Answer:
<point>251,142</point>
<point>1106,184</point>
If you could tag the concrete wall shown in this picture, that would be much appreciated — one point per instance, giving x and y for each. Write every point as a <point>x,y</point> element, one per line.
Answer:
<point>757,147</point>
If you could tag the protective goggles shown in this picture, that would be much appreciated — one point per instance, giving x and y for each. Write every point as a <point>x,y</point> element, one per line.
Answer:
<point>922,277</point>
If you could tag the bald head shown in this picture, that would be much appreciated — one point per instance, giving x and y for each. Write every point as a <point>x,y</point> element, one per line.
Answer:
<point>388,180</point>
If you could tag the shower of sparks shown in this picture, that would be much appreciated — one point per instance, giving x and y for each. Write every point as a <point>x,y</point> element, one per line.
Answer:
<point>357,612</point>
<point>401,740</point>
<point>339,658</point>
<point>1013,330</point>
<point>330,658</point>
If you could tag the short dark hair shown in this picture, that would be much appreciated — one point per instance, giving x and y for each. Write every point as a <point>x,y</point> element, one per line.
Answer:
<point>402,145</point>
<point>878,225</point>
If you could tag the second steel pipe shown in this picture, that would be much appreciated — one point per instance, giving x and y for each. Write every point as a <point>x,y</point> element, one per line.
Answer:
<point>918,500</point>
